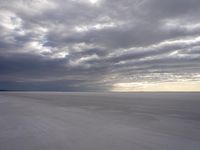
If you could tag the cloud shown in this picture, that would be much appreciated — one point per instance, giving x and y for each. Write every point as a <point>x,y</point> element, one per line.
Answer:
<point>93,45</point>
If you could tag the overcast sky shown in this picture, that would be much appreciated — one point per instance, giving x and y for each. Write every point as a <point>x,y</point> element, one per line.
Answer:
<point>100,45</point>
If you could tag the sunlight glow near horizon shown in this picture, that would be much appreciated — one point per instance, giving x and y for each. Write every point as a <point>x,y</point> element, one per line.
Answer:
<point>188,86</point>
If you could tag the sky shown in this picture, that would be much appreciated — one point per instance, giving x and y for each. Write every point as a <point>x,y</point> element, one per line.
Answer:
<point>100,45</point>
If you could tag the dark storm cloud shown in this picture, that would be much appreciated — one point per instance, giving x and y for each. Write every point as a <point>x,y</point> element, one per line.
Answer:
<point>78,45</point>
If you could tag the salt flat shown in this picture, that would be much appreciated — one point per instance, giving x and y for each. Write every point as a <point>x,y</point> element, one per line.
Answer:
<point>99,121</point>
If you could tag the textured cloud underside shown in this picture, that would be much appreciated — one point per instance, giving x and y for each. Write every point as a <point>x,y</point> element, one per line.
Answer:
<point>83,45</point>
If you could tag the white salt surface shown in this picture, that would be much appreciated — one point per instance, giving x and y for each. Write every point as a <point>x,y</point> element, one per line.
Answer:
<point>99,121</point>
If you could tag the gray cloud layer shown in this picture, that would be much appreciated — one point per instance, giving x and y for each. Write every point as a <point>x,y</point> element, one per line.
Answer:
<point>83,45</point>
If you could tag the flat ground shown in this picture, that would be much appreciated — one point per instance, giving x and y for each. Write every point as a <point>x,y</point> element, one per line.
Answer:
<point>99,121</point>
